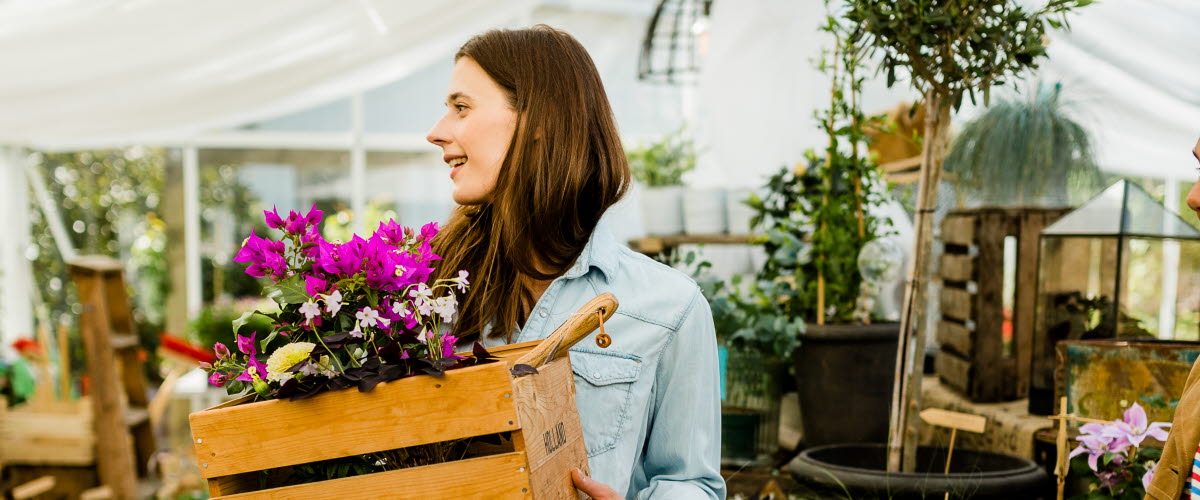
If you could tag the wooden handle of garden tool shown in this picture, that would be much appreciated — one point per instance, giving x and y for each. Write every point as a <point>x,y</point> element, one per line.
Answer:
<point>579,325</point>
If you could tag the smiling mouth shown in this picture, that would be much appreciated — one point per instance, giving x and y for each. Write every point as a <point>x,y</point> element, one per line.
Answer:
<point>457,162</point>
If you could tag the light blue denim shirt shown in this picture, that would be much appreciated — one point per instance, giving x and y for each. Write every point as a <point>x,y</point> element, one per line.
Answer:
<point>649,403</point>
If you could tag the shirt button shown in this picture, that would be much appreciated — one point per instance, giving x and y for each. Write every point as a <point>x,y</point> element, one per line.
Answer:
<point>542,313</point>
<point>596,374</point>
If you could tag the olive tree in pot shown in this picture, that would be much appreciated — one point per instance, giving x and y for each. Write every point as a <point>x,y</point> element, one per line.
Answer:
<point>947,50</point>
<point>816,220</point>
<point>659,168</point>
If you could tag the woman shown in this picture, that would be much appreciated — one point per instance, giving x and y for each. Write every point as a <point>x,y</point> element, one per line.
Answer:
<point>535,159</point>
<point>1178,471</point>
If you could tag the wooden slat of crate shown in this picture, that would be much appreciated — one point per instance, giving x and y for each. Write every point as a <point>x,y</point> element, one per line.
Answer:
<point>992,372</point>
<point>953,370</point>
<point>1025,304</point>
<point>551,434</point>
<point>957,303</point>
<point>957,267</point>
<point>955,337</point>
<point>467,402</point>
<point>497,476</point>
<point>958,229</point>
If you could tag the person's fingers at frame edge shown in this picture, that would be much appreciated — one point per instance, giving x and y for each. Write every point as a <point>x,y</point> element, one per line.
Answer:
<point>593,488</point>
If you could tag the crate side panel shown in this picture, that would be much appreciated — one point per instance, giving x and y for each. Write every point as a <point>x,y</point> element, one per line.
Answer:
<point>407,412</point>
<point>498,476</point>
<point>550,429</point>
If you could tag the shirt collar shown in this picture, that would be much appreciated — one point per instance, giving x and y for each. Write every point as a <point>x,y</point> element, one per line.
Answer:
<point>599,252</point>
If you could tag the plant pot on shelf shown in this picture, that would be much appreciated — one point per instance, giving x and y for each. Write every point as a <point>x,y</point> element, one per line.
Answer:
<point>737,213</point>
<point>704,211</point>
<point>844,377</point>
<point>751,383</point>
<point>662,210</point>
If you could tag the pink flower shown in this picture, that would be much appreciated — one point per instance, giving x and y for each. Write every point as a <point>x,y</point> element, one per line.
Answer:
<point>220,350</point>
<point>218,379</point>
<point>428,231</point>
<point>273,219</point>
<point>246,344</point>
<point>253,369</point>
<point>1149,475</point>
<point>448,342</point>
<point>1135,427</point>
<point>314,286</point>
<point>265,257</point>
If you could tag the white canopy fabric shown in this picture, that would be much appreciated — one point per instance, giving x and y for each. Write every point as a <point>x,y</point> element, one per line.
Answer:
<point>80,73</point>
<point>1129,67</point>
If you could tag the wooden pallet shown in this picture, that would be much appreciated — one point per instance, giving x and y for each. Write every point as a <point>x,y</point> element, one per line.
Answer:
<point>119,397</point>
<point>973,358</point>
<point>236,440</point>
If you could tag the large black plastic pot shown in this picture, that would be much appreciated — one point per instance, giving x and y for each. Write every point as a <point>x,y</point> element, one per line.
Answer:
<point>844,377</point>
<point>860,470</point>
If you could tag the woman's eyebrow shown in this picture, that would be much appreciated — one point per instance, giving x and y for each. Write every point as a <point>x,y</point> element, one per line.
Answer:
<point>455,96</point>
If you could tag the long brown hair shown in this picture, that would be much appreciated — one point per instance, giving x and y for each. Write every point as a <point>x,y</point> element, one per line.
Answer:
<point>565,166</point>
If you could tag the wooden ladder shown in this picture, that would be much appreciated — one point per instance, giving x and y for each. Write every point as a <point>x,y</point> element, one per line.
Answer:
<point>124,436</point>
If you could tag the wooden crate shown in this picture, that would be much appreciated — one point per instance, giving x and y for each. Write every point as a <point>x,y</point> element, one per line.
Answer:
<point>973,358</point>
<point>50,433</point>
<point>235,440</point>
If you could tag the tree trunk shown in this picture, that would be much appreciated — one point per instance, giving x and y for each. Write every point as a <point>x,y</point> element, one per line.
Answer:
<point>910,351</point>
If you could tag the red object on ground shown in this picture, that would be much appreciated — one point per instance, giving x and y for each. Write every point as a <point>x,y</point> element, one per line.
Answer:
<point>182,347</point>
<point>27,347</point>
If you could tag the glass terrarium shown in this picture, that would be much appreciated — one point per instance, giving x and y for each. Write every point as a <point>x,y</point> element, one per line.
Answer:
<point>1120,266</point>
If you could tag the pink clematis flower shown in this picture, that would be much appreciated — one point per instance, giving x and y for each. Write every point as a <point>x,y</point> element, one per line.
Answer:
<point>1135,427</point>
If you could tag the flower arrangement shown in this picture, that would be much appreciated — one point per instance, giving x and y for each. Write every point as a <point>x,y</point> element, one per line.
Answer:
<point>1121,466</point>
<point>357,313</point>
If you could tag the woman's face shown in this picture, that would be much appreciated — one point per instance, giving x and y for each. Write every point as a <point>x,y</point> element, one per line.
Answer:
<point>1193,197</point>
<point>475,132</point>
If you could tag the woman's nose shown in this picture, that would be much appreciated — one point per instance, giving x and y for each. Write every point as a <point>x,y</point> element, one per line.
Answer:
<point>437,135</point>
<point>1193,197</point>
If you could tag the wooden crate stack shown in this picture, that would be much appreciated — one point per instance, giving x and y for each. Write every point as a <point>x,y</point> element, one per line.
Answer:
<point>972,358</point>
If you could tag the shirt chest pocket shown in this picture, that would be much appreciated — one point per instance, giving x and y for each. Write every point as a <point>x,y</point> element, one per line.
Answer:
<point>604,395</point>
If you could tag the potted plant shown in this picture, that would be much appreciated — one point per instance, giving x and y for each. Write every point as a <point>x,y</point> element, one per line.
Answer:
<point>816,219</point>
<point>1023,153</point>
<point>659,168</point>
<point>755,342</point>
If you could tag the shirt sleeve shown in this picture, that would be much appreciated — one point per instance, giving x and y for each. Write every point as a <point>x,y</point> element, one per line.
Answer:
<point>683,448</point>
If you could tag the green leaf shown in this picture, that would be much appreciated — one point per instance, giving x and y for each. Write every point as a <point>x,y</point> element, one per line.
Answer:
<point>288,291</point>
<point>263,344</point>
<point>243,319</point>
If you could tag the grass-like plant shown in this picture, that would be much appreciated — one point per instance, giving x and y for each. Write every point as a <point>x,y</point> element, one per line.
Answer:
<point>1024,152</point>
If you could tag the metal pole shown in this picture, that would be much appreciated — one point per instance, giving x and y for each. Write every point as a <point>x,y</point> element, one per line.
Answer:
<point>17,304</point>
<point>191,228</point>
<point>358,168</point>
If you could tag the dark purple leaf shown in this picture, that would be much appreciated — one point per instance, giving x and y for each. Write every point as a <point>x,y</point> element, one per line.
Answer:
<point>522,369</point>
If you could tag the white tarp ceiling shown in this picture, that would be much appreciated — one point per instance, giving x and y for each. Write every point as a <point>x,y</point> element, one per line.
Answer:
<point>1129,67</point>
<point>80,73</point>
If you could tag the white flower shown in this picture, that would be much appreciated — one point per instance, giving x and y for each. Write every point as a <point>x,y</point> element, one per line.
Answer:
<point>462,281</point>
<point>399,309</point>
<point>423,335</point>
<point>356,332</point>
<point>445,306</point>
<point>421,292</point>
<point>333,302</point>
<point>310,310</point>
<point>424,306</point>
<point>370,317</point>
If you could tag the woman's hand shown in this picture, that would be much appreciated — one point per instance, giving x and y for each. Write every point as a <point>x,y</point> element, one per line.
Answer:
<point>593,488</point>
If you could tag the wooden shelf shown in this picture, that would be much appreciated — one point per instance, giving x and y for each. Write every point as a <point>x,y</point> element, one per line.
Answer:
<point>651,245</point>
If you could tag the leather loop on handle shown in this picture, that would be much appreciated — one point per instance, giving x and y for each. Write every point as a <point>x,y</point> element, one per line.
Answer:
<point>574,329</point>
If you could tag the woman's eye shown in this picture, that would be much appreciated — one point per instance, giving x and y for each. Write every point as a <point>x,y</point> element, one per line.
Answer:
<point>460,107</point>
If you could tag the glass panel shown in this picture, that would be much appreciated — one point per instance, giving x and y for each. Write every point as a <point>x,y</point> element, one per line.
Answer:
<point>236,185</point>
<point>413,188</point>
<point>1123,208</point>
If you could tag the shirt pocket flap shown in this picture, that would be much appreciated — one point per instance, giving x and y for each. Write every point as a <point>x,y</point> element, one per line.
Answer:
<point>605,368</point>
